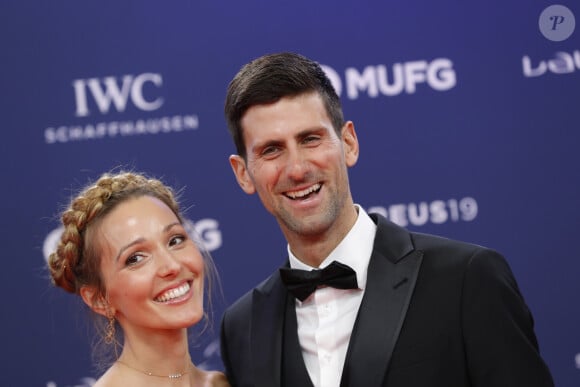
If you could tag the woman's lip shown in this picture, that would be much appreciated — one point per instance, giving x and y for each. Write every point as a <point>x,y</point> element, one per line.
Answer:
<point>165,293</point>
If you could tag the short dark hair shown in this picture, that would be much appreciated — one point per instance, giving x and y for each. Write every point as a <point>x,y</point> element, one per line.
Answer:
<point>268,79</point>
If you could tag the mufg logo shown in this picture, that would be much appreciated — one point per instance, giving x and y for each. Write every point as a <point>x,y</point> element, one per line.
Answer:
<point>118,92</point>
<point>377,80</point>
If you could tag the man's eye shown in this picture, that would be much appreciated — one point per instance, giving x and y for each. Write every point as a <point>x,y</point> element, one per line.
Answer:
<point>311,139</point>
<point>269,150</point>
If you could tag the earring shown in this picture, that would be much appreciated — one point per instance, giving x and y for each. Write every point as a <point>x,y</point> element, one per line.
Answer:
<point>110,330</point>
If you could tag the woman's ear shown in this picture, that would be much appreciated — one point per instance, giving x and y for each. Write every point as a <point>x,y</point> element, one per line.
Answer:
<point>96,301</point>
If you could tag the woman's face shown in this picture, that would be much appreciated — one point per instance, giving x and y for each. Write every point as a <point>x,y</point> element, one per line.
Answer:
<point>151,269</point>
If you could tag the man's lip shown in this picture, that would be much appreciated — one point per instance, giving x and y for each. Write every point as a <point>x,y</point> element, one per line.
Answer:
<point>304,191</point>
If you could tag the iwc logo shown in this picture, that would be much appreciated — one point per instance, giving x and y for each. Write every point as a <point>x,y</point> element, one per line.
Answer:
<point>98,98</point>
<point>107,91</point>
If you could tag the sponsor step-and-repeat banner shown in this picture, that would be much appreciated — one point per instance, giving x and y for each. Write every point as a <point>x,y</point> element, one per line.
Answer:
<point>468,116</point>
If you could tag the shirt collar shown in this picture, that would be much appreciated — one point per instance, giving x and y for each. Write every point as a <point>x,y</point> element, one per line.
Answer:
<point>354,250</point>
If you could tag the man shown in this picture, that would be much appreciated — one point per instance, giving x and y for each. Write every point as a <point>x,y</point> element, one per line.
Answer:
<point>411,310</point>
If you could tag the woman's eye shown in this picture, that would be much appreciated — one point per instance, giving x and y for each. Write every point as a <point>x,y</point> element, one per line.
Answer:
<point>176,240</point>
<point>134,259</point>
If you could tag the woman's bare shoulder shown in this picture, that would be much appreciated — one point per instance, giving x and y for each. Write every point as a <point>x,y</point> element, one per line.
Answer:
<point>215,379</point>
<point>107,379</point>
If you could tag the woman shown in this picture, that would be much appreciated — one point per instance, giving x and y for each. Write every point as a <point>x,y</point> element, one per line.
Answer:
<point>126,252</point>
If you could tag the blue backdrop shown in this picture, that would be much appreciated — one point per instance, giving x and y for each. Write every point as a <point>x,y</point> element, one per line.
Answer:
<point>467,113</point>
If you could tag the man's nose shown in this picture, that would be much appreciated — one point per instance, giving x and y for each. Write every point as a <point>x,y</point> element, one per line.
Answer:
<point>297,165</point>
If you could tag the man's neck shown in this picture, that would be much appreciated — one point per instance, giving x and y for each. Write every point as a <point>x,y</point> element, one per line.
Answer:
<point>313,250</point>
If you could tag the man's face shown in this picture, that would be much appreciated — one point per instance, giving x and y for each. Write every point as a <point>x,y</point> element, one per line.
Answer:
<point>298,165</point>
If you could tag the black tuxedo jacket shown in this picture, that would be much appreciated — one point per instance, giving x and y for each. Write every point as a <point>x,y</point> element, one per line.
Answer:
<point>435,312</point>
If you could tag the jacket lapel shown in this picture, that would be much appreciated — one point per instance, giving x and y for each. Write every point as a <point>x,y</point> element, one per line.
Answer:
<point>392,275</point>
<point>267,326</point>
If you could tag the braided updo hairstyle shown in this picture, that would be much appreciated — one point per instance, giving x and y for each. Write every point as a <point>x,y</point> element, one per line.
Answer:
<point>76,262</point>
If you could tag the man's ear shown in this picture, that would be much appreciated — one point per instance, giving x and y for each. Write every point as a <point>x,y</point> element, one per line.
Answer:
<point>96,301</point>
<point>241,172</point>
<point>350,143</point>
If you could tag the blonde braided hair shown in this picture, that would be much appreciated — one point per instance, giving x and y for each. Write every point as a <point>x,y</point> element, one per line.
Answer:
<point>76,262</point>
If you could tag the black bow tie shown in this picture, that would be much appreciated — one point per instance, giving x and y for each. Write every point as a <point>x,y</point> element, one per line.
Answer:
<point>301,283</point>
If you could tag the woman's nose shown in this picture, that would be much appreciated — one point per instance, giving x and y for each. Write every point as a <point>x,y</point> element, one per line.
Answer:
<point>168,264</point>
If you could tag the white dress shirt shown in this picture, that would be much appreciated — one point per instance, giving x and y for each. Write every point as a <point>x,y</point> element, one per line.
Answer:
<point>326,317</point>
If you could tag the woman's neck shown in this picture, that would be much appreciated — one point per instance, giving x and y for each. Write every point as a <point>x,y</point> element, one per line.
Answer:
<point>159,353</point>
